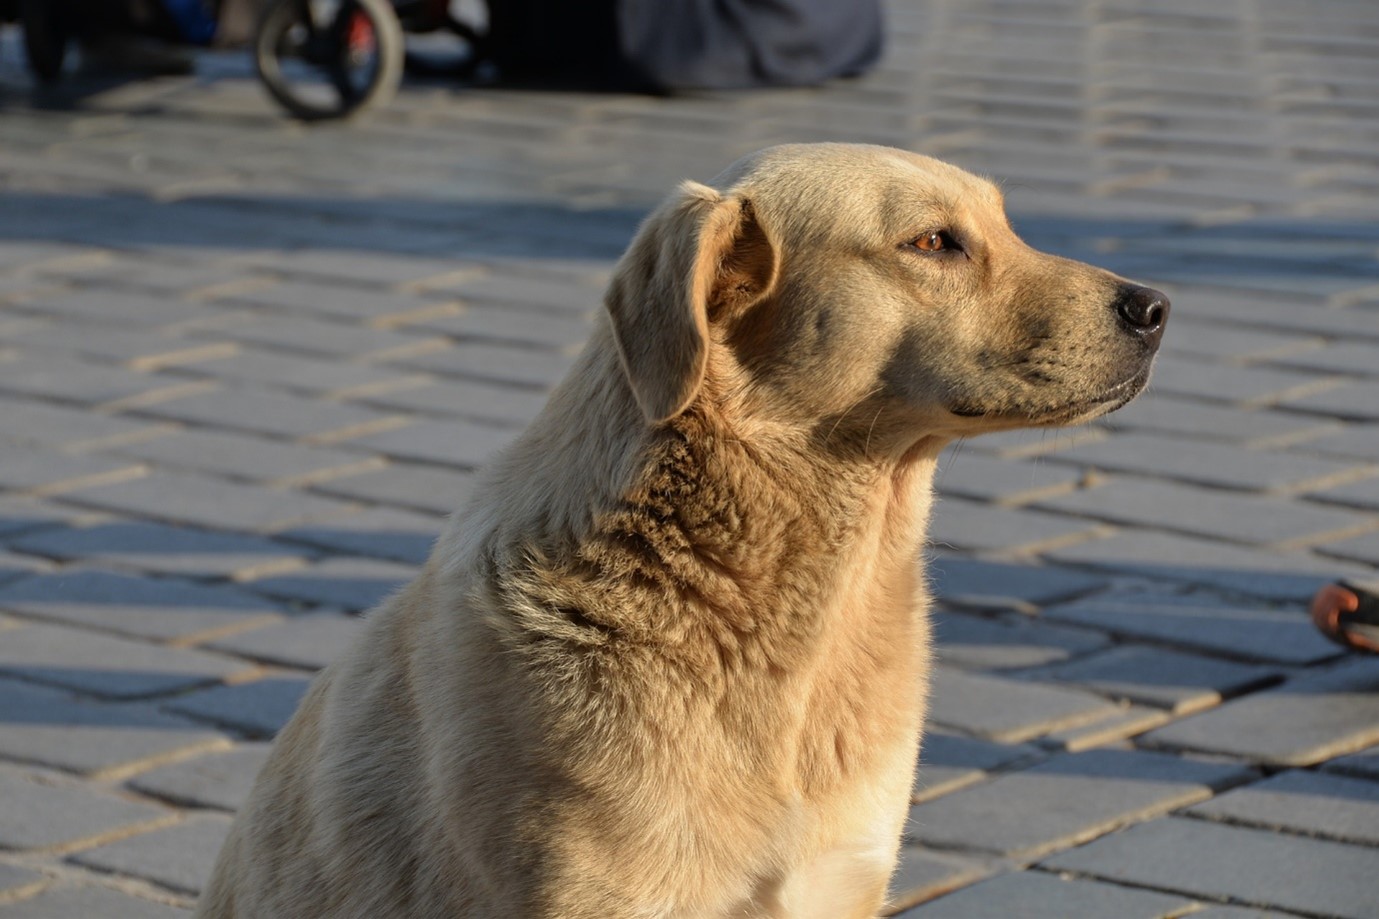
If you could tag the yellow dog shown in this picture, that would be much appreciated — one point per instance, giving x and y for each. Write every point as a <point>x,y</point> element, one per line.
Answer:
<point>672,659</point>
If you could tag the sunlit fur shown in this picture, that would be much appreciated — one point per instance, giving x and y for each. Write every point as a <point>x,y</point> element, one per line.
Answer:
<point>671,660</point>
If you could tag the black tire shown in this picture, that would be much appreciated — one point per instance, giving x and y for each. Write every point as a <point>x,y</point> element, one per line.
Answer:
<point>45,37</point>
<point>321,79</point>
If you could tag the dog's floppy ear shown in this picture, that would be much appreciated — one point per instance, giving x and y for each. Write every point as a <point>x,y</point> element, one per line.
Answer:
<point>697,256</point>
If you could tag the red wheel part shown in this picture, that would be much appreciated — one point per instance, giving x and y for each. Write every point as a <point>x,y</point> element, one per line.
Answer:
<point>360,36</point>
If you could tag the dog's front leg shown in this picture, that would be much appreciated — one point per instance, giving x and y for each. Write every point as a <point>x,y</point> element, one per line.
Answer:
<point>841,884</point>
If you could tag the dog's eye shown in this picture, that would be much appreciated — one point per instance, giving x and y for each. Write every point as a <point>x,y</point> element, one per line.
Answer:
<point>934,241</point>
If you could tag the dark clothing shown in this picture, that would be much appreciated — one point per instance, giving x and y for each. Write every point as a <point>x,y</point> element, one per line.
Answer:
<point>731,44</point>
<point>666,45</point>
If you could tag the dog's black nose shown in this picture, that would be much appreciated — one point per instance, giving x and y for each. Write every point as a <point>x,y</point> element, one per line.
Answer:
<point>1144,310</point>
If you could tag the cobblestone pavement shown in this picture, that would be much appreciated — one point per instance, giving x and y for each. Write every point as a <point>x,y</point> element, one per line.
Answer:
<point>246,367</point>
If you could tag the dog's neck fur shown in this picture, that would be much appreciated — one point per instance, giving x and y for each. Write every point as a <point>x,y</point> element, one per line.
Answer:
<point>696,508</point>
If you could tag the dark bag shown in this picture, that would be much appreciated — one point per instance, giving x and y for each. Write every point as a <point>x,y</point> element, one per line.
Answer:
<point>666,45</point>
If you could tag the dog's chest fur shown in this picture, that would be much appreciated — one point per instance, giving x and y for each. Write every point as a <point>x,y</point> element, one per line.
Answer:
<point>769,612</point>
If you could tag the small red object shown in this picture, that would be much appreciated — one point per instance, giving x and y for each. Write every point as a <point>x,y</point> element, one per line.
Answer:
<point>359,38</point>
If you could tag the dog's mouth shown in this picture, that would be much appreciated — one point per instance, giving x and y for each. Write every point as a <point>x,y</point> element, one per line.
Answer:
<point>1078,412</point>
<point>1116,397</point>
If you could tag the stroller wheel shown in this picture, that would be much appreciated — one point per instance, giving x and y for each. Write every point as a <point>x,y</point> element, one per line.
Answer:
<point>329,58</point>
<point>45,37</point>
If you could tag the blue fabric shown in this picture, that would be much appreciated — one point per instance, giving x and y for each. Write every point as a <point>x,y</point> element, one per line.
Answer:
<point>194,20</point>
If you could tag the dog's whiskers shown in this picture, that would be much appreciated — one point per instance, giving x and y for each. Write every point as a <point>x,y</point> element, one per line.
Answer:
<point>828,438</point>
<point>866,448</point>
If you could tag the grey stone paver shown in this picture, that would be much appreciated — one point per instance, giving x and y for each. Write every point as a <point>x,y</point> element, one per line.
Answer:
<point>509,326</point>
<point>52,728</point>
<point>1364,764</point>
<point>35,254</point>
<point>309,641</point>
<point>114,308</point>
<point>923,873</point>
<point>1250,866</point>
<point>72,902</point>
<point>42,472</point>
<point>1243,387</point>
<point>162,609</point>
<point>18,882</point>
<point>20,516</point>
<point>1081,796</point>
<point>1363,549</point>
<point>155,547</point>
<point>1181,683</point>
<point>1237,629</point>
<point>13,567</point>
<point>1282,312</point>
<point>76,381</point>
<point>179,857</point>
<point>1126,722</point>
<point>948,762</point>
<point>260,707</point>
<point>168,276</point>
<point>314,337</point>
<point>988,585</point>
<point>1303,721</point>
<point>1350,358</point>
<point>198,500</point>
<point>1292,576</point>
<point>289,349</point>
<point>42,814</point>
<point>1318,804</point>
<point>295,373</point>
<point>1165,415</point>
<point>1254,520</point>
<point>1210,342</point>
<point>960,524</point>
<point>556,295</point>
<point>1239,912</point>
<point>342,582</point>
<point>457,442</point>
<point>381,532</point>
<point>1351,402</point>
<point>1008,711</point>
<point>495,363</point>
<point>984,478</point>
<point>1354,441</point>
<point>375,270</point>
<point>475,399</point>
<point>1363,494</point>
<point>1043,896</point>
<point>369,306</point>
<point>104,665</point>
<point>139,350</point>
<point>979,643</point>
<point>219,780</point>
<point>278,414</point>
<point>246,457</point>
<point>1212,464</point>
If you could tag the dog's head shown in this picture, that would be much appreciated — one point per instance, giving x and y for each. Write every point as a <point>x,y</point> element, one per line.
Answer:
<point>857,289</point>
